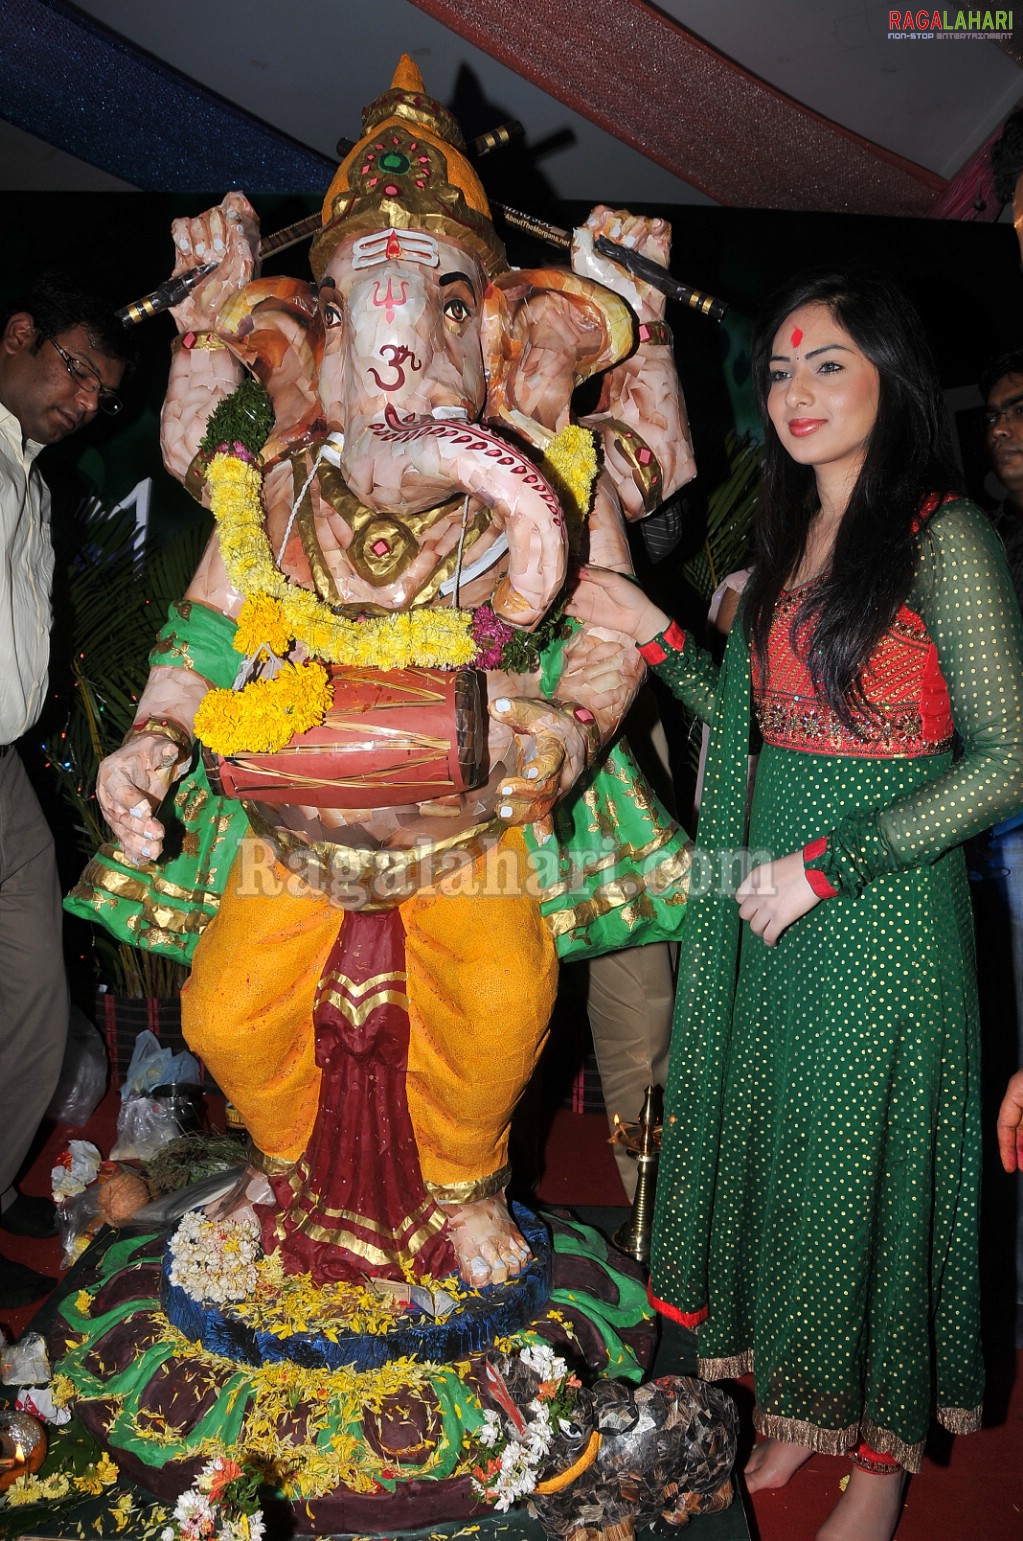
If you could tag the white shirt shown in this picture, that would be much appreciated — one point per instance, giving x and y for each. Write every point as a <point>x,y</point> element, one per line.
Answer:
<point>26,580</point>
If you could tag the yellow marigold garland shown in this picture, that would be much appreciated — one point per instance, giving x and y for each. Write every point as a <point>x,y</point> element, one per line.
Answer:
<point>277,612</point>
<point>264,715</point>
<point>571,464</point>
<point>268,713</point>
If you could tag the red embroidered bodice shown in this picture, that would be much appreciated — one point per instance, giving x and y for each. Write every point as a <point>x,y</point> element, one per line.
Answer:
<point>903,682</point>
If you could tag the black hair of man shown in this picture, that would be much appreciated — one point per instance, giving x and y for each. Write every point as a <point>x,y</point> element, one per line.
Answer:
<point>57,301</point>
<point>997,368</point>
<point>1007,157</point>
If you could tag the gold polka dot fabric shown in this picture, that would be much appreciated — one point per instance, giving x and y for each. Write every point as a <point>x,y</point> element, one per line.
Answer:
<point>817,1197</point>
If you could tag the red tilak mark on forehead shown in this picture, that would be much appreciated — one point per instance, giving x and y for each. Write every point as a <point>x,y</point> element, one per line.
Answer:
<point>796,338</point>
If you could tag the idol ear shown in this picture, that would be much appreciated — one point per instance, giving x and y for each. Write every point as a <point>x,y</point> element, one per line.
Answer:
<point>261,325</point>
<point>545,331</point>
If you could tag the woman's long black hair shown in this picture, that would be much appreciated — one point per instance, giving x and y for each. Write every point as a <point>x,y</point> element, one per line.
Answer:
<point>909,455</point>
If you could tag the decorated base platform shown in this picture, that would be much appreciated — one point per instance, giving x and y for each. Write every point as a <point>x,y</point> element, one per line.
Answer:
<point>379,1448</point>
<point>125,1508</point>
<point>277,1325</point>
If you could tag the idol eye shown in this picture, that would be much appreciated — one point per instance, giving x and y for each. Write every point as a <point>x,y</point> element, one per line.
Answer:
<point>456,309</point>
<point>332,316</point>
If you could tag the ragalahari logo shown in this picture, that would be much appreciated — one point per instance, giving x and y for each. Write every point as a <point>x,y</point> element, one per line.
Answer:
<point>926,26</point>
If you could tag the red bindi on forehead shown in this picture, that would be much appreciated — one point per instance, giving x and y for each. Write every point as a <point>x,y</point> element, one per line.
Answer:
<point>797,337</point>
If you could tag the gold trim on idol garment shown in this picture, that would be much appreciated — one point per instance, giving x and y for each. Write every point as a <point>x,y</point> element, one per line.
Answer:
<point>472,1190</point>
<point>355,1016</point>
<point>271,1166</point>
<point>99,882</point>
<point>621,897</point>
<point>402,1242</point>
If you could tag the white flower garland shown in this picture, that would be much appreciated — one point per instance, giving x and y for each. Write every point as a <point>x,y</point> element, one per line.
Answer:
<point>518,1455</point>
<point>215,1259</point>
<point>211,1511</point>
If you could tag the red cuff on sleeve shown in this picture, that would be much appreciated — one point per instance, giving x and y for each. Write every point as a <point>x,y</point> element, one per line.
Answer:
<point>656,650</point>
<point>817,881</point>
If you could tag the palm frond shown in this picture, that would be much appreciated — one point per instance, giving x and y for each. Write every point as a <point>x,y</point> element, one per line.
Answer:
<point>118,593</point>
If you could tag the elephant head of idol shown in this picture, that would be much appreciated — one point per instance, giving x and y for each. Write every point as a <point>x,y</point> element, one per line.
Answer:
<point>418,305</point>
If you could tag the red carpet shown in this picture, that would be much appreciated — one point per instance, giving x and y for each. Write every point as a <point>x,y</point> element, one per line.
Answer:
<point>971,1489</point>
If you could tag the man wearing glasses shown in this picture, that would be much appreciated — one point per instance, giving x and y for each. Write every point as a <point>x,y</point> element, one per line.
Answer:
<point>62,358</point>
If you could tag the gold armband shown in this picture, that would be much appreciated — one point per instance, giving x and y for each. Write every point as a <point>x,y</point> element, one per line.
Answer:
<point>165,727</point>
<point>195,476</point>
<point>641,460</point>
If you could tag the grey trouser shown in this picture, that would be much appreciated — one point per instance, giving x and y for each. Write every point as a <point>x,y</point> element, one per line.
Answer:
<point>33,986</point>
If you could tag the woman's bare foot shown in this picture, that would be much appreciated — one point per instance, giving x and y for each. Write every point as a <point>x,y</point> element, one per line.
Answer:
<point>488,1244</point>
<point>772,1462</point>
<point>868,1510</point>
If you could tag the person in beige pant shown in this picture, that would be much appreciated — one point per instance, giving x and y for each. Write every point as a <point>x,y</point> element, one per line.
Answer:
<point>630,995</point>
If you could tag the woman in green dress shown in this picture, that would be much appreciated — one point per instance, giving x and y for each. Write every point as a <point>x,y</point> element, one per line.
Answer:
<point>817,1200</point>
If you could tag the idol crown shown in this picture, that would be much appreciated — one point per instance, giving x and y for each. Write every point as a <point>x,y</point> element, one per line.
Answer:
<point>408,172</point>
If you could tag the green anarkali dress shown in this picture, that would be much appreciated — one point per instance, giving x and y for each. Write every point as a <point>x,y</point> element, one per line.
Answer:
<point>818,1190</point>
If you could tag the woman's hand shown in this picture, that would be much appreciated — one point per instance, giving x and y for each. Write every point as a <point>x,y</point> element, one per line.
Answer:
<point>775,895</point>
<point>611,600</point>
<point>1010,1125</point>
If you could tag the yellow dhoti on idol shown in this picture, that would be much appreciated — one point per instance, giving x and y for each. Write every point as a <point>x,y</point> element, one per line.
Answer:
<point>471,975</point>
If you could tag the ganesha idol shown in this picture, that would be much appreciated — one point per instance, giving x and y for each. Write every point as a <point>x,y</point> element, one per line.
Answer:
<point>401,729</point>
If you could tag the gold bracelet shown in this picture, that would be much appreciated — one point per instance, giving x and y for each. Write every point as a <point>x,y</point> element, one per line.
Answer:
<point>201,342</point>
<point>164,727</point>
<point>657,333</point>
<point>585,720</point>
<point>195,476</point>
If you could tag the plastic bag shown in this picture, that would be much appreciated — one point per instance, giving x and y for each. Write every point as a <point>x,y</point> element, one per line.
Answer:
<point>144,1126</point>
<point>145,1122</point>
<point>77,1167</point>
<point>25,1363</point>
<point>78,1218</point>
<point>152,1065</point>
<point>83,1076</point>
